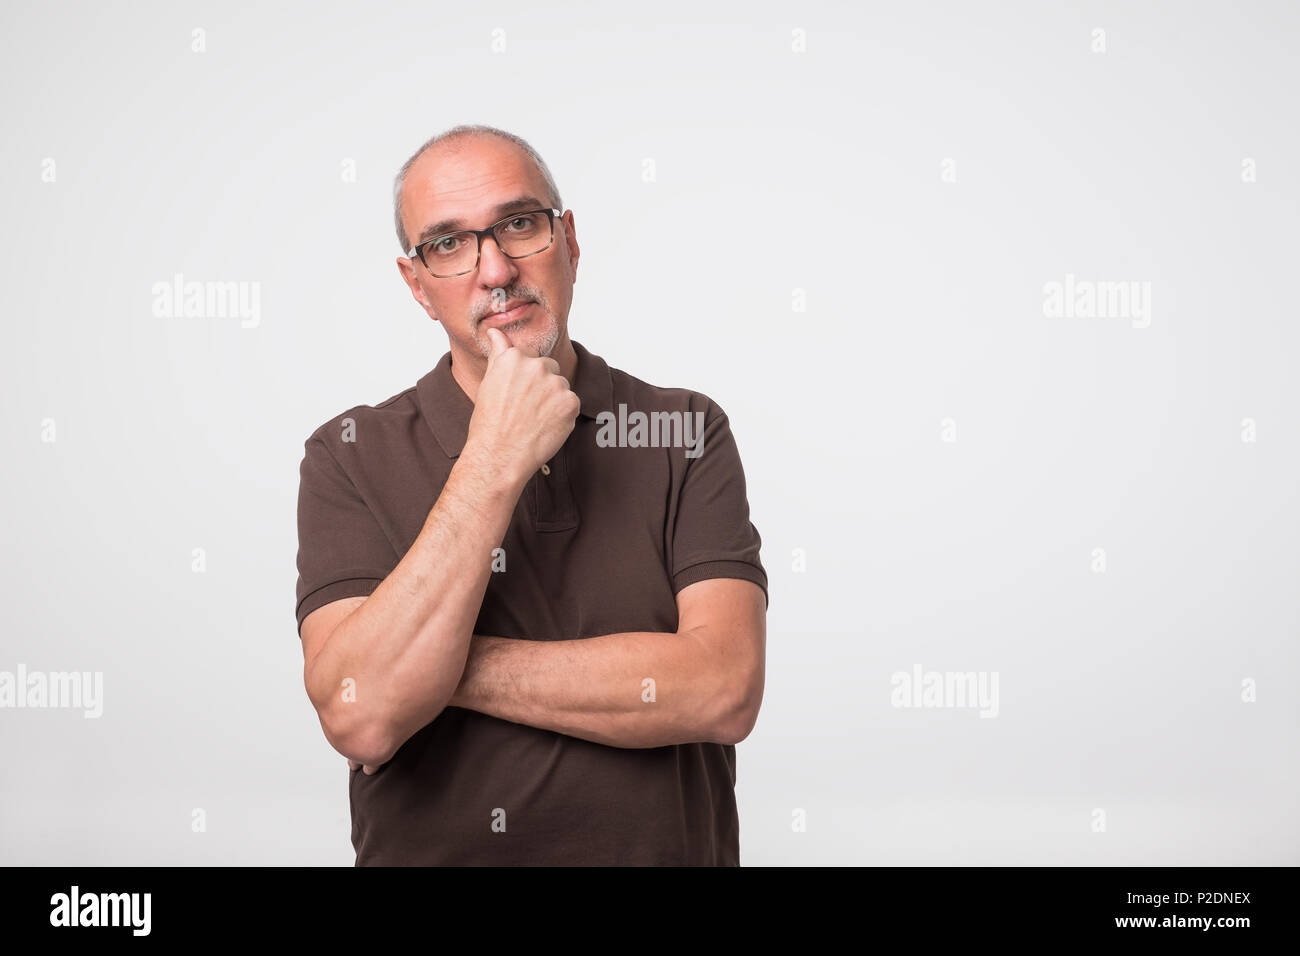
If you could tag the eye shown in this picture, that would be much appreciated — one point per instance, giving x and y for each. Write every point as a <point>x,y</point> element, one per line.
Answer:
<point>444,245</point>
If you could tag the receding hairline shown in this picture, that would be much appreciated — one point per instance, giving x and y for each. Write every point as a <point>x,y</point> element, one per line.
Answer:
<point>457,138</point>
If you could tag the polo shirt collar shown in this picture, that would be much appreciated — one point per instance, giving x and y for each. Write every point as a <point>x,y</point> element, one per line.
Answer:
<point>447,409</point>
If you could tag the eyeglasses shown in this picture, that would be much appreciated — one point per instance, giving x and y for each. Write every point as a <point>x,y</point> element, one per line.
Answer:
<point>518,236</point>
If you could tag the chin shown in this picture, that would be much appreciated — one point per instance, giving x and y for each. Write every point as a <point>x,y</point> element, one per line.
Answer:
<point>542,341</point>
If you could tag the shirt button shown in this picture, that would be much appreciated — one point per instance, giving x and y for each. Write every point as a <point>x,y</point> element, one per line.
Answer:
<point>546,469</point>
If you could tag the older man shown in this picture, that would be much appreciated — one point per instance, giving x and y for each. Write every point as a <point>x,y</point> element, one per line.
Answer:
<point>533,646</point>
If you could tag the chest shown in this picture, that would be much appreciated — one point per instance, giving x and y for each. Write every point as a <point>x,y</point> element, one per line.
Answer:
<point>588,549</point>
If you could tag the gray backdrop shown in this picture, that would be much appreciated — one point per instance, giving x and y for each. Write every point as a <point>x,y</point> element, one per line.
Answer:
<point>998,299</point>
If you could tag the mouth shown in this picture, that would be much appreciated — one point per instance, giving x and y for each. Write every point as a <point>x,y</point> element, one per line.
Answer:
<point>506,316</point>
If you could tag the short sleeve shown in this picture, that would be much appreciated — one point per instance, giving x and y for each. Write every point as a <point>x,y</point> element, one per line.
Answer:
<point>712,534</point>
<point>342,551</point>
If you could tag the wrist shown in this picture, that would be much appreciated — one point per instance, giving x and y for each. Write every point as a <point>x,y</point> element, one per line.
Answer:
<point>495,473</point>
<point>463,695</point>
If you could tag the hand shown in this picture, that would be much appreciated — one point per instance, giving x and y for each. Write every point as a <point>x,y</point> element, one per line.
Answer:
<point>366,768</point>
<point>524,409</point>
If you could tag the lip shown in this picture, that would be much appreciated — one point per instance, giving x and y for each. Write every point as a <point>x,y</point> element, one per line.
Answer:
<point>506,317</point>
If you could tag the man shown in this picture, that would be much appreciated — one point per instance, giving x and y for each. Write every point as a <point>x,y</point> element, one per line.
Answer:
<point>533,624</point>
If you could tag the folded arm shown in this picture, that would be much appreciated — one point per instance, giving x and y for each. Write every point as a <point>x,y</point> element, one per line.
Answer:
<point>703,682</point>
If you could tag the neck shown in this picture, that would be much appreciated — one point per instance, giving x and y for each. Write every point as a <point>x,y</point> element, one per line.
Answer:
<point>468,368</point>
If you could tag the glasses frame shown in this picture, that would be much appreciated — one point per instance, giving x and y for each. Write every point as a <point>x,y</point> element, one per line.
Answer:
<point>481,234</point>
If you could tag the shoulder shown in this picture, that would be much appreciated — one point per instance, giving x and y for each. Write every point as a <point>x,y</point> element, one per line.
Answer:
<point>372,427</point>
<point>639,395</point>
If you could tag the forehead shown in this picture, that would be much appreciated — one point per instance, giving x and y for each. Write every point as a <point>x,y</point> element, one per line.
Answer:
<point>461,184</point>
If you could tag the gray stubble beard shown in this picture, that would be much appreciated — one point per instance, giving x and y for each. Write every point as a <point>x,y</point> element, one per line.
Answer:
<point>543,345</point>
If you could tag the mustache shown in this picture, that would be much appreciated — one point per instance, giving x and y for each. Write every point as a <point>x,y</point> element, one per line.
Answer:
<point>491,308</point>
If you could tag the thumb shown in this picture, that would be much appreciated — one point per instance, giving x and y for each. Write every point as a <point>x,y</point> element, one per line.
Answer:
<point>500,344</point>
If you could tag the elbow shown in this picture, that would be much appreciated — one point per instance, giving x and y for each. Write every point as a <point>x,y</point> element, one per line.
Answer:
<point>355,732</point>
<point>737,727</point>
<point>372,752</point>
<point>366,742</point>
<point>370,733</point>
<point>351,729</point>
<point>739,718</point>
<point>368,736</point>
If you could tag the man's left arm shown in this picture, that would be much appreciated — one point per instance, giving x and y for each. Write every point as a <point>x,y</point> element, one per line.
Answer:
<point>702,683</point>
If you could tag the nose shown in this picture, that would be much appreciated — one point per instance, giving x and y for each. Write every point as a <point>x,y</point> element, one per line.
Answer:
<point>494,266</point>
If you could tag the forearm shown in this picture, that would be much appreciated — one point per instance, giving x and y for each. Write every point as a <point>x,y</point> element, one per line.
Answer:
<point>405,647</point>
<point>634,689</point>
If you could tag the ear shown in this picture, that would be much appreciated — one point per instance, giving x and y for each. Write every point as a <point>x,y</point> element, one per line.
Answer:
<point>571,242</point>
<point>411,277</point>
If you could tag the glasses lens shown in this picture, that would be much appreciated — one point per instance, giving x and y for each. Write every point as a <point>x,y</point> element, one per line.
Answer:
<point>525,234</point>
<point>451,255</point>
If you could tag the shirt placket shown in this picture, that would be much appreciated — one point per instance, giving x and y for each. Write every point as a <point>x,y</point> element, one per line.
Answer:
<point>554,507</point>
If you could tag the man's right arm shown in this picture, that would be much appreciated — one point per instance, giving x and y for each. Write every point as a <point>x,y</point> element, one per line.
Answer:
<point>405,645</point>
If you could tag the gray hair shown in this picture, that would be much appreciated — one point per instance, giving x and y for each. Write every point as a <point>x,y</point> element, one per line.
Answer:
<point>460,132</point>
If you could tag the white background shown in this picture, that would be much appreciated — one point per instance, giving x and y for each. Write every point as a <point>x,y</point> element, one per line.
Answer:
<point>775,171</point>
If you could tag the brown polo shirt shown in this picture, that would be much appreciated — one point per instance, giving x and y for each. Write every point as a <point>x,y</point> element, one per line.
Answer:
<point>636,505</point>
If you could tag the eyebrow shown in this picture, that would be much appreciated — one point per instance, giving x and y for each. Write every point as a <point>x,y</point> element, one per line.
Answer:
<point>451,225</point>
